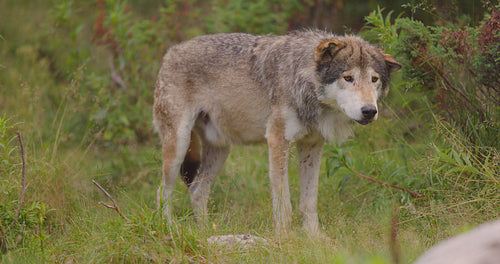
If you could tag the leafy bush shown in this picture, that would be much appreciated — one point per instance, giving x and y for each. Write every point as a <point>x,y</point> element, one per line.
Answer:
<point>444,61</point>
<point>124,105</point>
<point>258,17</point>
<point>487,64</point>
<point>453,66</point>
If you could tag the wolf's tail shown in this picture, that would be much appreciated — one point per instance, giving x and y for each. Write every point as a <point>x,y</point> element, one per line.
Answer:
<point>192,160</point>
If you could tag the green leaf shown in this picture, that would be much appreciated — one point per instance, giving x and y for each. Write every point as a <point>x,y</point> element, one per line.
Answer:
<point>386,165</point>
<point>349,161</point>
<point>462,169</point>
<point>396,171</point>
<point>343,183</point>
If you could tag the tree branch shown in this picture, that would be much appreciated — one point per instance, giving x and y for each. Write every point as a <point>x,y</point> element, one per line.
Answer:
<point>414,194</point>
<point>115,76</point>
<point>25,186</point>
<point>115,204</point>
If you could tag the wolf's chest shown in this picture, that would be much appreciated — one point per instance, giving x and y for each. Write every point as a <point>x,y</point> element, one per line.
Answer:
<point>333,126</point>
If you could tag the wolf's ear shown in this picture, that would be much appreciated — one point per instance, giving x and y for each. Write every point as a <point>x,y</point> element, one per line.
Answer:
<point>327,49</point>
<point>392,64</point>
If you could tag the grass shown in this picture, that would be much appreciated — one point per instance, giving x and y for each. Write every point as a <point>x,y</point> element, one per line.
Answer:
<point>62,221</point>
<point>356,220</point>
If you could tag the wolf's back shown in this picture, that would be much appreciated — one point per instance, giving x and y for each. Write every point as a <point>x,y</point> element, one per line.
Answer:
<point>217,49</point>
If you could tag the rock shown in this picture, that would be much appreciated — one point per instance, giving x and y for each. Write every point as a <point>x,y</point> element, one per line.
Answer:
<point>244,241</point>
<point>478,246</point>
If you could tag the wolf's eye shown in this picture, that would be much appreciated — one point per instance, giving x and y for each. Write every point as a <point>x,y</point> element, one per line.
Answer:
<point>348,78</point>
<point>374,79</point>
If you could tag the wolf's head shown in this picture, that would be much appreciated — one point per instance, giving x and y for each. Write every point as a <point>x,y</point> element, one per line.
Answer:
<point>353,75</point>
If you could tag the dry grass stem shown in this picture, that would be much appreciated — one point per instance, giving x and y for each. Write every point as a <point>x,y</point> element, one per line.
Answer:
<point>115,204</point>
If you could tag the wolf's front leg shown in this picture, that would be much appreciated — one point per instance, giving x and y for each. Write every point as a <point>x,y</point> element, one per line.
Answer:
<point>278,174</point>
<point>309,163</point>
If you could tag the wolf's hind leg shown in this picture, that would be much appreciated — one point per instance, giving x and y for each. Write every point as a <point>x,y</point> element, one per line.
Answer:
<point>175,142</point>
<point>212,162</point>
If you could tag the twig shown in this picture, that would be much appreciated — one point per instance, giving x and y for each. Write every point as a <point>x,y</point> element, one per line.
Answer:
<point>3,240</point>
<point>115,76</point>
<point>115,204</point>
<point>25,186</point>
<point>414,194</point>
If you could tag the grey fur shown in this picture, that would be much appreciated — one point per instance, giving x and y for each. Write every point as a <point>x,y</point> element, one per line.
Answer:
<point>240,88</point>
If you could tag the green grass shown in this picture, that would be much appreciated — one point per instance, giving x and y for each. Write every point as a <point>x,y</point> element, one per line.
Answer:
<point>356,220</point>
<point>54,100</point>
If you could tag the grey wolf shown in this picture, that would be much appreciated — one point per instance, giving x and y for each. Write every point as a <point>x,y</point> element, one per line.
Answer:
<point>306,87</point>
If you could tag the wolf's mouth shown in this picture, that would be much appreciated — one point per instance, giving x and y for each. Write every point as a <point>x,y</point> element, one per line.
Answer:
<point>365,121</point>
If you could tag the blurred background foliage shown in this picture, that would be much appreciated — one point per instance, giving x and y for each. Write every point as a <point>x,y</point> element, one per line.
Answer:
<point>109,50</point>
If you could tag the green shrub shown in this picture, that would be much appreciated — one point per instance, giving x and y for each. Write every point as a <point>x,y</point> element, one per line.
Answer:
<point>452,65</point>
<point>455,71</point>
<point>487,64</point>
<point>444,61</point>
<point>258,17</point>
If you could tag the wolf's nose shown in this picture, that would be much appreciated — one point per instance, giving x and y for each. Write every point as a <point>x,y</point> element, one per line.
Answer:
<point>369,111</point>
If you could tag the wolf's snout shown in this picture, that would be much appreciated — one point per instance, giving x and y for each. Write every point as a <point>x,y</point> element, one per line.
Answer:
<point>368,111</point>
